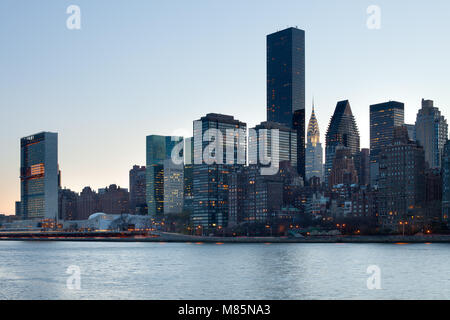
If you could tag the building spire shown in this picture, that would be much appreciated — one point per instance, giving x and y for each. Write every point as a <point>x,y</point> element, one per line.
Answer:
<point>313,128</point>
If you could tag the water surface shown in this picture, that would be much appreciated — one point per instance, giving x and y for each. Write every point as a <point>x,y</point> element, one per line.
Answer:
<point>37,270</point>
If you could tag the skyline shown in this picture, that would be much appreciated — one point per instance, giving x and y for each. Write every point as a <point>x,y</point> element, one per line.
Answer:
<point>67,83</point>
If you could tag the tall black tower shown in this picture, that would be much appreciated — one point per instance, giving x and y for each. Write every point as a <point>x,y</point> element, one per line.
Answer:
<point>286,84</point>
<point>298,123</point>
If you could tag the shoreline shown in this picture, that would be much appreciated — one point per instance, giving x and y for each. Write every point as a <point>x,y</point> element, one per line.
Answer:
<point>179,238</point>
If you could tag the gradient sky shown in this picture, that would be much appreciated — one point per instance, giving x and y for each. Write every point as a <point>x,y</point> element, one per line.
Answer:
<point>151,67</point>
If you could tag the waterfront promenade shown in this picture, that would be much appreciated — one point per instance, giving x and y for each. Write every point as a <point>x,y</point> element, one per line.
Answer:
<point>130,236</point>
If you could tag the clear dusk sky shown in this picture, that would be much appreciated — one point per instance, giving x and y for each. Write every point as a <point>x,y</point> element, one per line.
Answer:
<point>152,67</point>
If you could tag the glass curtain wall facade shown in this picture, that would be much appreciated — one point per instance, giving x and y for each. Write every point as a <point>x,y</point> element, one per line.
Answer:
<point>384,117</point>
<point>287,143</point>
<point>159,149</point>
<point>211,180</point>
<point>286,84</point>
<point>39,176</point>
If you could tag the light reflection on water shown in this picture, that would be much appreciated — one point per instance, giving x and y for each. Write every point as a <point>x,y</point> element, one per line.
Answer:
<point>37,270</point>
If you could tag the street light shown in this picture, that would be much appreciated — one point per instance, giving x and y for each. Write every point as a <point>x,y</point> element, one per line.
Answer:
<point>403,225</point>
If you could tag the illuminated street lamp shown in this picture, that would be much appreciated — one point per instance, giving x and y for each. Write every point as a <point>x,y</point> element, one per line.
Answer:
<point>403,225</point>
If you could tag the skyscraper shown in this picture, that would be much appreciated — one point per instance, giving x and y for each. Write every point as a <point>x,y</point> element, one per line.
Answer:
<point>432,209</point>
<point>286,84</point>
<point>364,171</point>
<point>159,149</point>
<point>431,132</point>
<point>287,144</point>
<point>314,152</point>
<point>384,117</point>
<point>299,126</point>
<point>402,180</point>
<point>173,187</point>
<point>254,197</point>
<point>39,176</point>
<point>263,195</point>
<point>446,183</point>
<point>188,199</point>
<point>137,190</point>
<point>342,131</point>
<point>211,177</point>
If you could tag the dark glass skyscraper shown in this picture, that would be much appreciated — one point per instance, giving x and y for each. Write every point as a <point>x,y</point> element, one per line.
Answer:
<point>299,126</point>
<point>286,84</point>
<point>384,117</point>
<point>211,179</point>
<point>160,174</point>
<point>342,131</point>
<point>39,176</point>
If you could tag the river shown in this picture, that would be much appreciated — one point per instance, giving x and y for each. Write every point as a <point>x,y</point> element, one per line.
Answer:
<point>38,270</point>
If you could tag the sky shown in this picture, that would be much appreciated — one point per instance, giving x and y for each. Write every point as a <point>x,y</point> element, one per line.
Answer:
<point>145,67</point>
